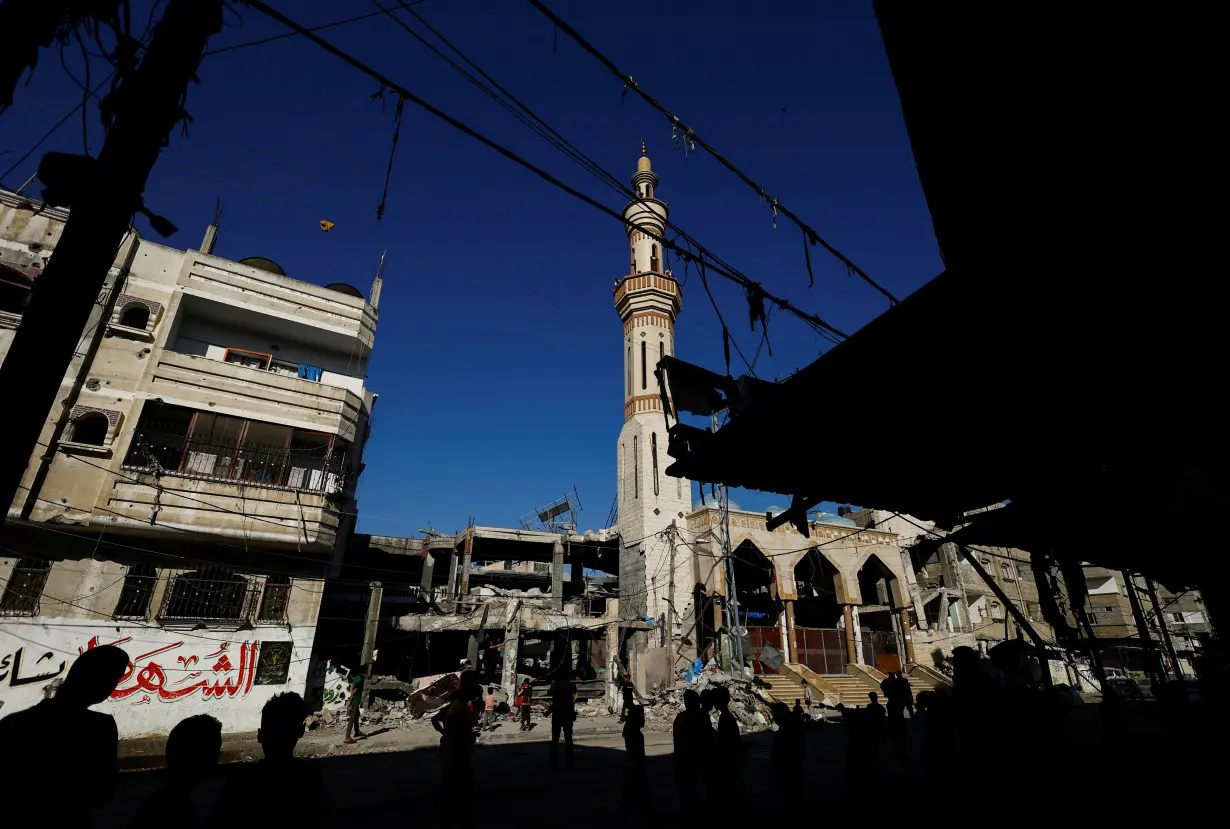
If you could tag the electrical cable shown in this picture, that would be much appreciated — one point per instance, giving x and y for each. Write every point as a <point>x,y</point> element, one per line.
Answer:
<point>689,135</point>
<point>384,80</point>
<point>319,28</point>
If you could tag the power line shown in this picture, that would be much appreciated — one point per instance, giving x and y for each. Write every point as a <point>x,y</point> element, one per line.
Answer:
<point>689,136</point>
<point>556,139</point>
<point>726,272</point>
<point>319,28</point>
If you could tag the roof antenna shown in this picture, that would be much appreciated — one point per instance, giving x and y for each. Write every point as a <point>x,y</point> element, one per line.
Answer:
<point>377,283</point>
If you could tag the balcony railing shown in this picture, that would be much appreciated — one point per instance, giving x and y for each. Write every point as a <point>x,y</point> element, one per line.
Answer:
<point>251,463</point>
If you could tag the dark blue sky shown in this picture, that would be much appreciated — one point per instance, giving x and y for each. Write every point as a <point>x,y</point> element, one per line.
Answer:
<point>498,358</point>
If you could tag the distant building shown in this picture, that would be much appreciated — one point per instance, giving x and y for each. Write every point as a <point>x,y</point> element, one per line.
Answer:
<point>195,482</point>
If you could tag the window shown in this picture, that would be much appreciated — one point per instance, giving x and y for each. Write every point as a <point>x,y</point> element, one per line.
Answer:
<point>996,611</point>
<point>211,593</point>
<point>15,290</point>
<point>25,587</point>
<point>1007,571</point>
<point>135,315</point>
<point>203,444</point>
<point>636,469</point>
<point>275,600</point>
<point>90,429</point>
<point>632,267</point>
<point>138,589</point>
<point>644,363</point>
<point>653,259</point>
<point>653,450</point>
<point>629,371</point>
<point>251,359</point>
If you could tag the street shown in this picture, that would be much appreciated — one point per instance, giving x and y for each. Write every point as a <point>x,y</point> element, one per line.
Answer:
<point>399,788</point>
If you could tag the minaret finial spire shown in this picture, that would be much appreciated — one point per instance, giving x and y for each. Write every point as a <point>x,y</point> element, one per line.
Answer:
<point>642,146</point>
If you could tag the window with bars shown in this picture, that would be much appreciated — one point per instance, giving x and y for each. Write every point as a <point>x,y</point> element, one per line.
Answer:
<point>275,601</point>
<point>212,593</point>
<point>25,587</point>
<point>137,592</point>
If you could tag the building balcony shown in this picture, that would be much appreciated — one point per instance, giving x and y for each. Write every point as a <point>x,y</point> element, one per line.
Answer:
<point>240,391</point>
<point>144,501</point>
<point>238,286</point>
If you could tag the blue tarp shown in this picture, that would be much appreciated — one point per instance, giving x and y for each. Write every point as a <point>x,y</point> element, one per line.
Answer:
<point>313,373</point>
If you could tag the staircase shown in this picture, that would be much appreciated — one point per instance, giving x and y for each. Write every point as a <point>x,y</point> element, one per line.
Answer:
<point>919,680</point>
<point>784,687</point>
<point>852,689</point>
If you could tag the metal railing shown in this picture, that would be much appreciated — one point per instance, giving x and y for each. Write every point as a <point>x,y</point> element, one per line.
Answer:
<point>251,463</point>
<point>209,594</point>
<point>25,587</point>
<point>275,600</point>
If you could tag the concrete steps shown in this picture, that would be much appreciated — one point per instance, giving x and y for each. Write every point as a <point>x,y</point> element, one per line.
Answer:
<point>784,687</point>
<point>851,689</point>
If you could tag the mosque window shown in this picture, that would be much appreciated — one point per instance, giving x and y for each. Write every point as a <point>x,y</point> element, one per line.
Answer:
<point>653,259</point>
<point>636,469</point>
<point>629,371</point>
<point>644,364</point>
<point>653,450</point>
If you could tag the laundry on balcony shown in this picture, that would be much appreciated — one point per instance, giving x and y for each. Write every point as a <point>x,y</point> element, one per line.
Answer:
<point>312,373</point>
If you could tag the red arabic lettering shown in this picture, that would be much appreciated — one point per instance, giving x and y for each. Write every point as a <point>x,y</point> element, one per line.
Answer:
<point>151,679</point>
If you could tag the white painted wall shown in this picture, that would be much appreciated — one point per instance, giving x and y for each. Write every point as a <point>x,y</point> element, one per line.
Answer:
<point>173,674</point>
<point>210,338</point>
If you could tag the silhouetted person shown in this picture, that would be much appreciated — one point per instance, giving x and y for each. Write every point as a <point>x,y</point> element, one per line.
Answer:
<point>900,697</point>
<point>563,715</point>
<point>729,746</point>
<point>637,795</point>
<point>798,712</point>
<point>694,740</point>
<point>787,754</point>
<point>455,722</point>
<point>354,703</point>
<point>874,715</point>
<point>629,701</point>
<point>248,791</point>
<point>61,739</point>
<point>193,748</point>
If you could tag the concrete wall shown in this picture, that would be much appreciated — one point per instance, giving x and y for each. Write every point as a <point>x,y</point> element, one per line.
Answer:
<point>172,674</point>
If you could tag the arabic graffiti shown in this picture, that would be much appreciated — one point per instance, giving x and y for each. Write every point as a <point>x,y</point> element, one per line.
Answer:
<point>10,668</point>
<point>218,675</point>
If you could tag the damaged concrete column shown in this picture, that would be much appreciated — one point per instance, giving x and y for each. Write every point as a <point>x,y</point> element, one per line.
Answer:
<point>452,578</point>
<point>512,644</point>
<point>907,634</point>
<point>557,575</point>
<point>429,571</point>
<point>847,617</point>
<point>465,563</point>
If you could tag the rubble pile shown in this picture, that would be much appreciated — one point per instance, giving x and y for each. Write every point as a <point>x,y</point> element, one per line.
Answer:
<point>748,703</point>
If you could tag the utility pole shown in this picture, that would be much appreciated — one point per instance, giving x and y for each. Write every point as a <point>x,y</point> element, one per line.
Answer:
<point>1161,622</point>
<point>370,624</point>
<point>670,602</point>
<point>1142,630</point>
<point>147,107</point>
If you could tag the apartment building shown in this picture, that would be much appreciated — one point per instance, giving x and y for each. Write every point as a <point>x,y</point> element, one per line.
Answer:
<point>194,484</point>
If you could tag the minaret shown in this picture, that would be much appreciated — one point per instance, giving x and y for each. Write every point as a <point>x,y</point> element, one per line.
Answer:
<point>647,300</point>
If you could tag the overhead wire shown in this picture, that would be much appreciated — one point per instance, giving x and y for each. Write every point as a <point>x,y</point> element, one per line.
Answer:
<point>386,81</point>
<point>553,137</point>
<point>689,135</point>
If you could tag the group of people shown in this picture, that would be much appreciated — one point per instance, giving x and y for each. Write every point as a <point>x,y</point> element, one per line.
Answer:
<point>61,733</point>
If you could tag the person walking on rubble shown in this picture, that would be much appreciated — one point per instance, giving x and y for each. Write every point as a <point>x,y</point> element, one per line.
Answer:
<point>455,722</point>
<point>524,699</point>
<point>353,704</point>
